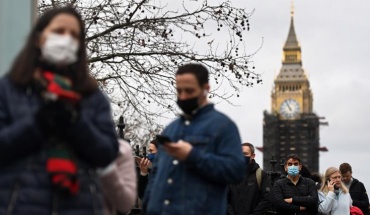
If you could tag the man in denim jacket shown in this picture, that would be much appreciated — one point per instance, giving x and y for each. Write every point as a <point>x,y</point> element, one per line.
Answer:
<point>191,171</point>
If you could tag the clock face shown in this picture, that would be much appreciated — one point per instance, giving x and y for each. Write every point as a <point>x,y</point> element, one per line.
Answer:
<point>289,108</point>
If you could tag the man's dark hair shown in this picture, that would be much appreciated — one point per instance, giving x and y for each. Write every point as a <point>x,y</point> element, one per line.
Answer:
<point>345,167</point>
<point>25,64</point>
<point>198,70</point>
<point>251,146</point>
<point>292,156</point>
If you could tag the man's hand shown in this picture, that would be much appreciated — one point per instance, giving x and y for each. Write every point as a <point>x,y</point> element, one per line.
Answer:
<point>143,165</point>
<point>301,208</point>
<point>290,200</point>
<point>179,150</point>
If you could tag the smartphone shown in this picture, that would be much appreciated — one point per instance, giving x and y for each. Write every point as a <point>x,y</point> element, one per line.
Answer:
<point>162,139</point>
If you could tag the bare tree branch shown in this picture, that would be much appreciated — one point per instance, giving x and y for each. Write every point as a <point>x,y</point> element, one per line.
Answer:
<point>135,46</point>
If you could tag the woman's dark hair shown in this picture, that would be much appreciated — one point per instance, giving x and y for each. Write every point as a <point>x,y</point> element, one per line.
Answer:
<point>154,142</point>
<point>25,64</point>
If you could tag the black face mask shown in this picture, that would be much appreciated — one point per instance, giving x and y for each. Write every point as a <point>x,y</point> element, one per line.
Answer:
<point>188,105</point>
<point>248,159</point>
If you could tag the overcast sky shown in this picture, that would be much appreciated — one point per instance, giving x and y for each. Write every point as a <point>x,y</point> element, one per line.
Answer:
<point>334,37</point>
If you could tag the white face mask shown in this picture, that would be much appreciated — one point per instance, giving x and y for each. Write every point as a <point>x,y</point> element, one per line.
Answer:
<point>60,50</point>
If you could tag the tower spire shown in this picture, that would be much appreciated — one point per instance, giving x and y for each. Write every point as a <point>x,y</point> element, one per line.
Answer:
<point>292,9</point>
<point>291,42</point>
<point>292,49</point>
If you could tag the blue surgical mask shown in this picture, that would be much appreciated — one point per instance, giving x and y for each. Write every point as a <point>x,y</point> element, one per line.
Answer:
<point>151,157</point>
<point>293,170</point>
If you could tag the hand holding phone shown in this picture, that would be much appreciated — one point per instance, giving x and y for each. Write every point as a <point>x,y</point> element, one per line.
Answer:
<point>137,159</point>
<point>330,185</point>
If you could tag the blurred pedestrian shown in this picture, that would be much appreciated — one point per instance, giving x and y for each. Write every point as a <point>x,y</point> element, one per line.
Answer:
<point>119,181</point>
<point>55,124</point>
<point>198,156</point>
<point>334,197</point>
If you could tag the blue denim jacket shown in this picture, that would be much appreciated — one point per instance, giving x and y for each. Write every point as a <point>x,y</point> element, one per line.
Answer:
<point>197,185</point>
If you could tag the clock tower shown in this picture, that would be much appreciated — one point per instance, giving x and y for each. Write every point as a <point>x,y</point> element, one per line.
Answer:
<point>291,126</point>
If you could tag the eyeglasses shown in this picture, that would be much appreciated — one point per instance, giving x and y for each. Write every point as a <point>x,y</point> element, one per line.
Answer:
<point>291,164</point>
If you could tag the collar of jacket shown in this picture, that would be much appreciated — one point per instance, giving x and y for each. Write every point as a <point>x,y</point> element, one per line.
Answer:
<point>206,108</point>
<point>252,167</point>
<point>288,181</point>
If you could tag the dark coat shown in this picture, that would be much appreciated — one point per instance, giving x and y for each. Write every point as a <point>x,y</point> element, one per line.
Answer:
<point>141,184</point>
<point>359,196</point>
<point>304,193</point>
<point>25,186</point>
<point>246,198</point>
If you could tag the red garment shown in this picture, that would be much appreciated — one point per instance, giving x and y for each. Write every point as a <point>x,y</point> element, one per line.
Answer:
<point>355,211</point>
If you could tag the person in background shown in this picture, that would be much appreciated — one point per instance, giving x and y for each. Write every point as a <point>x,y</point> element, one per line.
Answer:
<point>252,195</point>
<point>119,181</point>
<point>295,194</point>
<point>199,156</point>
<point>55,124</point>
<point>356,188</point>
<point>334,198</point>
<point>305,172</point>
<point>316,177</point>
<point>144,165</point>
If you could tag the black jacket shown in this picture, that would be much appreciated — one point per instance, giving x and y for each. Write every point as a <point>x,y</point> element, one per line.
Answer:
<point>141,185</point>
<point>304,193</point>
<point>245,198</point>
<point>359,196</point>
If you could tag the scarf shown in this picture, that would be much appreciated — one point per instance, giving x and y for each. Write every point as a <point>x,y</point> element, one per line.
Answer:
<point>60,163</point>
